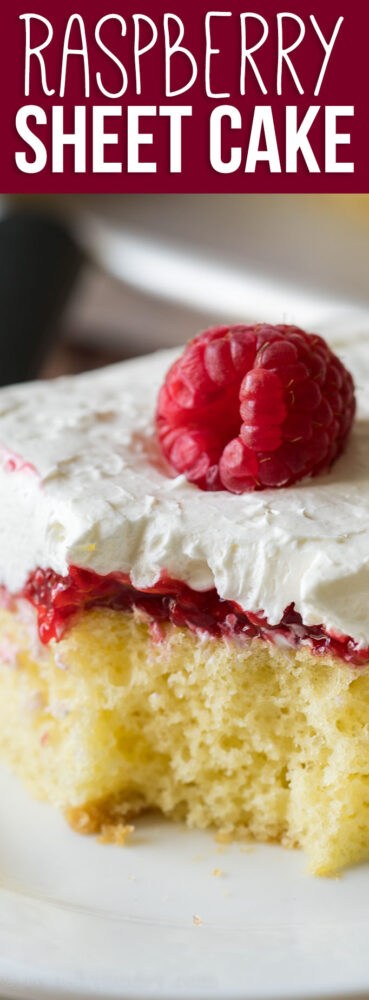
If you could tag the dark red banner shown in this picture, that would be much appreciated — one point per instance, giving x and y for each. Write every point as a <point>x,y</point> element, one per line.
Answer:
<point>184,97</point>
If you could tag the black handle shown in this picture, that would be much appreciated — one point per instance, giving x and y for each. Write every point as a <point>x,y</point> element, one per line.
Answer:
<point>39,263</point>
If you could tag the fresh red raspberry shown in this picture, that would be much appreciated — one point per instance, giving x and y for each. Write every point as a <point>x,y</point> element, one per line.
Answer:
<point>251,407</point>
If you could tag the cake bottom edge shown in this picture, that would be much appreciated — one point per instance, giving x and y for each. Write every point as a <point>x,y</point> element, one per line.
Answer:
<point>115,819</point>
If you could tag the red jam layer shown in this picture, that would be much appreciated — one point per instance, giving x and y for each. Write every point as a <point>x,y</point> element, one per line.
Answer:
<point>59,599</point>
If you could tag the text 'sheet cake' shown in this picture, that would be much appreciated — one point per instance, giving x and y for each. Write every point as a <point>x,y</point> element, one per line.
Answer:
<point>198,647</point>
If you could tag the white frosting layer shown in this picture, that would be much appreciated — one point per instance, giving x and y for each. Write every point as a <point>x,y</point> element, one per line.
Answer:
<point>105,499</point>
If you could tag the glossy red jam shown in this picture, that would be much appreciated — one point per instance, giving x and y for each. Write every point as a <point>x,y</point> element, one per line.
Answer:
<point>59,599</point>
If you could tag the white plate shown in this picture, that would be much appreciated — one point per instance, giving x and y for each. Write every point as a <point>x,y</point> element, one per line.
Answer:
<point>82,920</point>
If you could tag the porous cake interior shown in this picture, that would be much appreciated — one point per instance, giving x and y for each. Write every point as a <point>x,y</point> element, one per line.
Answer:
<point>249,739</point>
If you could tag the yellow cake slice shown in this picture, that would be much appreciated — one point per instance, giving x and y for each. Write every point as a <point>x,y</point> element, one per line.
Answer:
<point>125,684</point>
<point>254,741</point>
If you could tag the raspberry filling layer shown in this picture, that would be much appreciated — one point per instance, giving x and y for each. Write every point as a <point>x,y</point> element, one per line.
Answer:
<point>58,600</point>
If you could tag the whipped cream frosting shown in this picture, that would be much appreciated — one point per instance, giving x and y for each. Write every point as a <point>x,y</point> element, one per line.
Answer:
<point>82,481</point>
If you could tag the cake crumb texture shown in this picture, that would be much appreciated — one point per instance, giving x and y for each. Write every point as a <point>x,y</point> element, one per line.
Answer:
<point>252,740</point>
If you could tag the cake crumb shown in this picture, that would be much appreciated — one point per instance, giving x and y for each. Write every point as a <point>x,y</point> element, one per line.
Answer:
<point>197,920</point>
<point>217,872</point>
<point>115,833</point>
<point>223,838</point>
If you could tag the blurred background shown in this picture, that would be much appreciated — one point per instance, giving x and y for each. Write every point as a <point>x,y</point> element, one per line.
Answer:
<point>88,280</point>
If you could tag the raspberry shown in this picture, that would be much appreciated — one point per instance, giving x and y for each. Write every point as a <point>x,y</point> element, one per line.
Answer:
<point>251,407</point>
